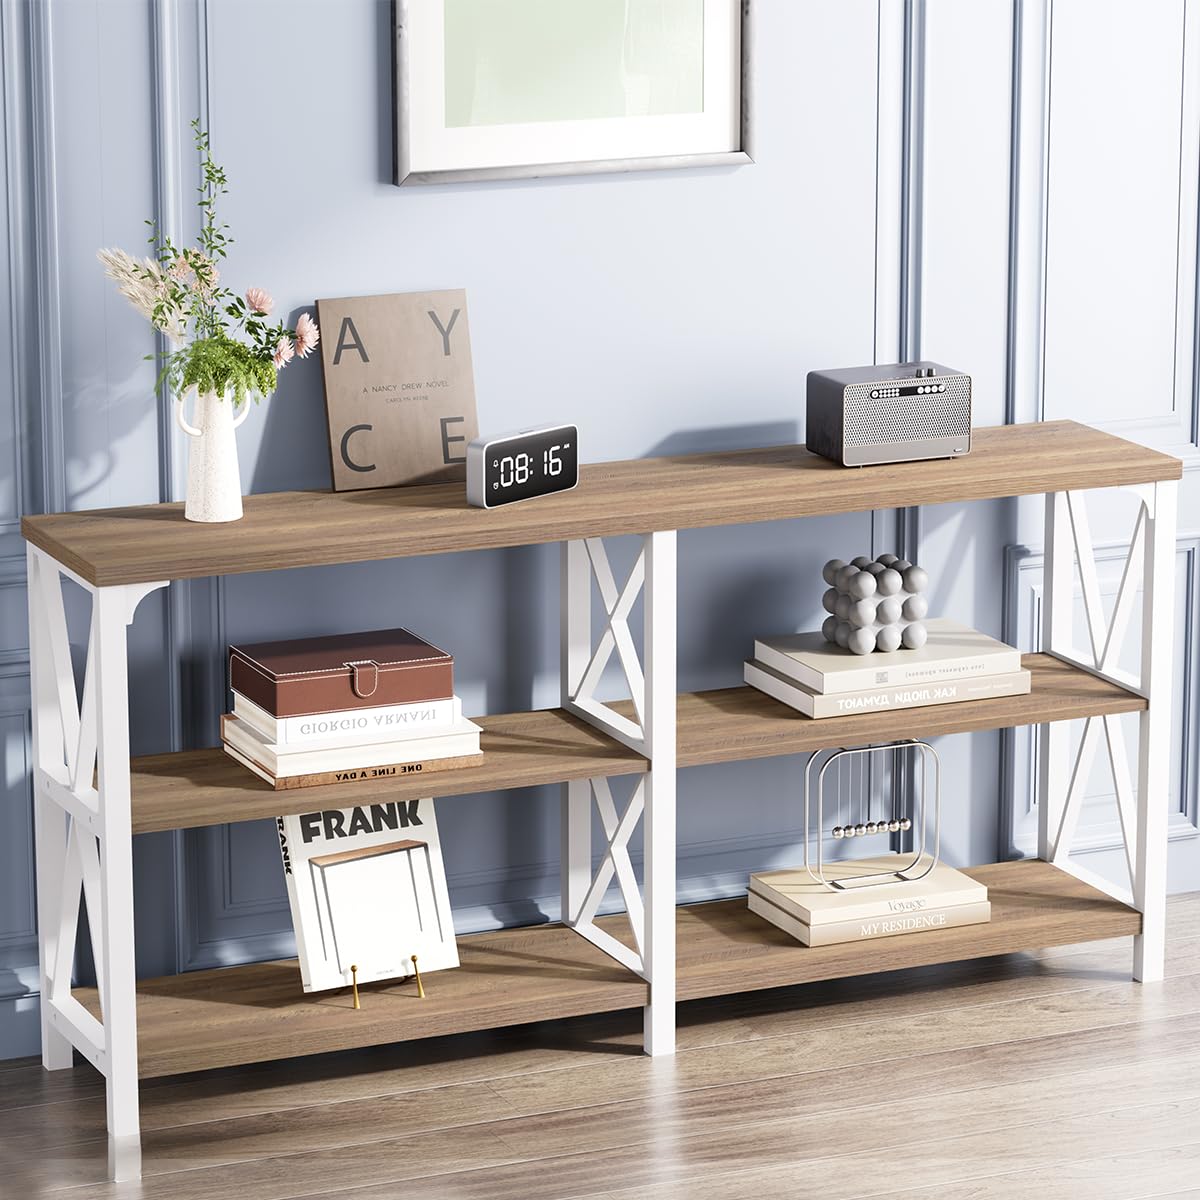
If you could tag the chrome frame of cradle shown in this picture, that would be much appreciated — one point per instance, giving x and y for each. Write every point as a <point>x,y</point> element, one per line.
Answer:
<point>820,762</point>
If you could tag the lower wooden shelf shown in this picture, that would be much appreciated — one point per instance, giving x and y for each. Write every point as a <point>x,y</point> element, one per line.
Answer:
<point>725,948</point>
<point>255,1013</point>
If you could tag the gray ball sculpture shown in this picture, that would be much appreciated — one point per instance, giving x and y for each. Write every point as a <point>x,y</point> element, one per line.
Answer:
<point>875,604</point>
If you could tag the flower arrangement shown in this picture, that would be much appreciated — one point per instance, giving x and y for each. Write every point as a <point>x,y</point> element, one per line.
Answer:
<point>224,343</point>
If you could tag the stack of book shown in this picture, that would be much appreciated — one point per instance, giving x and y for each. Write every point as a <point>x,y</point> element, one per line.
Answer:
<point>817,915</point>
<point>820,679</point>
<point>346,708</point>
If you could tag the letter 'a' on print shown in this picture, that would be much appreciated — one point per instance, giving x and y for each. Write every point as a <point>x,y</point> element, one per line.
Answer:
<point>399,388</point>
<point>367,889</point>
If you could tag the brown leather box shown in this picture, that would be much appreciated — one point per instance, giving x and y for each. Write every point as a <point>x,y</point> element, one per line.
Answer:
<point>330,674</point>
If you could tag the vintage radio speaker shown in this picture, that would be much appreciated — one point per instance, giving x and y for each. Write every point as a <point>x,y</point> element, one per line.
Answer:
<point>904,412</point>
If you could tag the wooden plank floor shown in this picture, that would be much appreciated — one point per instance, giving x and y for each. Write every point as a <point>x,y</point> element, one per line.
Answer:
<point>1045,1075</point>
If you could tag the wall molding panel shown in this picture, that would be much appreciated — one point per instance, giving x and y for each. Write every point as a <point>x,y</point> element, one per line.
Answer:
<point>44,285</point>
<point>1028,173</point>
<point>29,302</point>
<point>18,917</point>
<point>1187,277</point>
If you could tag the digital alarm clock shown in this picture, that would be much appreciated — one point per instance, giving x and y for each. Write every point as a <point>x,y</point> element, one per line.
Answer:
<point>520,466</point>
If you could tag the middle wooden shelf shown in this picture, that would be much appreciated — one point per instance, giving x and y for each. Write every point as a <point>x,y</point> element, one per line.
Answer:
<point>207,787</point>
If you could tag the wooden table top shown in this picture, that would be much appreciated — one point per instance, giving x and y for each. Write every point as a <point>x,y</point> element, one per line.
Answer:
<point>154,542</point>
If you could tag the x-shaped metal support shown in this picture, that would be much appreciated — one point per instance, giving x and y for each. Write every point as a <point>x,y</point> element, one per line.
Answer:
<point>618,604</point>
<point>84,838</point>
<point>651,732</point>
<point>614,860</point>
<point>1142,809</point>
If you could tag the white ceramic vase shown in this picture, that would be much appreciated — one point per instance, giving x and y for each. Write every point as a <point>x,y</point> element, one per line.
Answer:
<point>214,486</point>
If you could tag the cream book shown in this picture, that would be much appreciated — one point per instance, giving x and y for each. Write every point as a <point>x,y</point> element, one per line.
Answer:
<point>460,739</point>
<point>798,894</point>
<point>918,695</point>
<point>868,928</point>
<point>351,727</point>
<point>367,889</point>
<point>953,651</point>
<point>399,770</point>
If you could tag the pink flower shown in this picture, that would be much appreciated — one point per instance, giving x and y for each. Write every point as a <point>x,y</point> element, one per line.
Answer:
<point>259,300</point>
<point>307,335</point>
<point>284,351</point>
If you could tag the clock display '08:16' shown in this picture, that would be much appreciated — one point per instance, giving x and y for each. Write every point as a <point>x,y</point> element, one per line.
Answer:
<point>519,468</point>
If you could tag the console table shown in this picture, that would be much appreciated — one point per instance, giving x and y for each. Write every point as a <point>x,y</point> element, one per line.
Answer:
<point>90,797</point>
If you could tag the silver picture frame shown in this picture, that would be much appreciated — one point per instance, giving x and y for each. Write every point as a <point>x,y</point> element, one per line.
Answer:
<point>405,176</point>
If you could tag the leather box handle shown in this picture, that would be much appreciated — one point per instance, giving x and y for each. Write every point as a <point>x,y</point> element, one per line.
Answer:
<point>364,677</point>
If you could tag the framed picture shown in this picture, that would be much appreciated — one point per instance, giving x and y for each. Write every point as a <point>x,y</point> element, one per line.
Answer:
<point>506,89</point>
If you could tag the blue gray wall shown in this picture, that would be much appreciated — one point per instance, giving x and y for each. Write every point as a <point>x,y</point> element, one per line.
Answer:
<point>911,196</point>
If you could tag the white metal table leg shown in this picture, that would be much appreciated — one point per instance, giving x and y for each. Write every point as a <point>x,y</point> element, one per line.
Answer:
<point>659,633</point>
<point>84,838</point>
<point>575,859</point>
<point>1154,741</point>
<point>1057,607</point>
<point>652,688</point>
<point>50,822</point>
<point>118,974</point>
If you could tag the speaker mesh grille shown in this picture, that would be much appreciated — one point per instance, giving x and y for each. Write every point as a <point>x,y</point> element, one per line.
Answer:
<point>907,418</point>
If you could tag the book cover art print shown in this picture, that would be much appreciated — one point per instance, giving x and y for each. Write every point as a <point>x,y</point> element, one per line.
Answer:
<point>367,889</point>
<point>399,388</point>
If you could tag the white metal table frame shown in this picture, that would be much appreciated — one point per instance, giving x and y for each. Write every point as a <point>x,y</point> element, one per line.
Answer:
<point>84,829</point>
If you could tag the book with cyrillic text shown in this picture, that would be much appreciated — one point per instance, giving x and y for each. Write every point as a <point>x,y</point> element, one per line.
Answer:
<point>952,651</point>
<point>907,695</point>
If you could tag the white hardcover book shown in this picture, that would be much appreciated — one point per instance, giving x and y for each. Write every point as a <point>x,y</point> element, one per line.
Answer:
<point>953,651</point>
<point>281,761</point>
<point>872,927</point>
<point>351,727</point>
<point>796,892</point>
<point>367,888</point>
<point>909,695</point>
